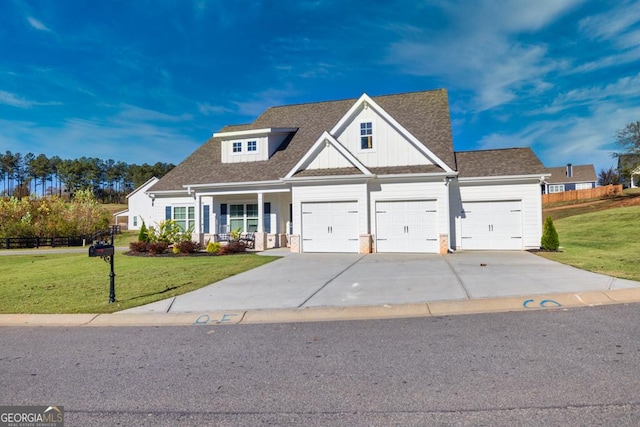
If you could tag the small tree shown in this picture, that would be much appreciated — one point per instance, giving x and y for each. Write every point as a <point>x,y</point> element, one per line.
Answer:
<point>549,239</point>
<point>608,177</point>
<point>143,235</point>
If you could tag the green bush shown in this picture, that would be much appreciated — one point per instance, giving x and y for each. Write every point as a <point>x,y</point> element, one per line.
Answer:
<point>143,235</point>
<point>213,247</point>
<point>549,239</point>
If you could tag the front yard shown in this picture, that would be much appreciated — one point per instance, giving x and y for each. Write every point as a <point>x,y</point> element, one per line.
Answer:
<point>606,242</point>
<point>75,283</point>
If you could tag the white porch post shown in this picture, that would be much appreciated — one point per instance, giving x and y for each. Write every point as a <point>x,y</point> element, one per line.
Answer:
<point>260,213</point>
<point>260,237</point>
<point>197,229</point>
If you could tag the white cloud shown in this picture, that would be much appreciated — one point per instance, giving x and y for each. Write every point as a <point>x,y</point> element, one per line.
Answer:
<point>13,100</point>
<point>614,24</point>
<point>479,50</point>
<point>38,25</point>
<point>263,100</point>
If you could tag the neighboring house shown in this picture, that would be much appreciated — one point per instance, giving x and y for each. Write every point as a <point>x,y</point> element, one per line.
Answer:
<point>140,207</point>
<point>629,169</point>
<point>569,178</point>
<point>373,174</point>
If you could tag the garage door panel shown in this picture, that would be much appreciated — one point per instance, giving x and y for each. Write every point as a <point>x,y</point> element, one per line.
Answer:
<point>406,226</point>
<point>493,225</point>
<point>330,227</point>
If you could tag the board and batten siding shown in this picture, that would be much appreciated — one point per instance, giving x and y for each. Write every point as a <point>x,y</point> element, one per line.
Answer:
<point>330,193</point>
<point>328,158</point>
<point>390,148</point>
<point>437,191</point>
<point>528,193</point>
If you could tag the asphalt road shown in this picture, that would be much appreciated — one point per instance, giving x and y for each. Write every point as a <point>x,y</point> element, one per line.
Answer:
<point>555,367</point>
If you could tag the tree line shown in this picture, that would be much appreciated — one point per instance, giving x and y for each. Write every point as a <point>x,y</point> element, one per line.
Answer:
<point>109,180</point>
<point>628,140</point>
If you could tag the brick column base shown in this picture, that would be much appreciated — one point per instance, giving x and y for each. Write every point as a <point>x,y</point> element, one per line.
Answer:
<point>444,244</point>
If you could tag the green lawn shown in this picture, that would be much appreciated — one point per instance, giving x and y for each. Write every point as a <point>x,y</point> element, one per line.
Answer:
<point>605,242</point>
<point>75,283</point>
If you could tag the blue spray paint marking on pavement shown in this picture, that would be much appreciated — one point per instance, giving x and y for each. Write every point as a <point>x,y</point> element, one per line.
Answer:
<point>204,319</point>
<point>544,303</point>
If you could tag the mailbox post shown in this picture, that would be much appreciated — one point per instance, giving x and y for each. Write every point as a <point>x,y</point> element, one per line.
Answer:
<point>106,252</point>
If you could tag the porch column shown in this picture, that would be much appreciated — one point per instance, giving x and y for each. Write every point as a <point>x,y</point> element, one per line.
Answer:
<point>197,229</point>
<point>260,213</point>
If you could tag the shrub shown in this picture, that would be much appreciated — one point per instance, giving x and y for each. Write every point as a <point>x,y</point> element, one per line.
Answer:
<point>143,236</point>
<point>232,248</point>
<point>157,248</point>
<point>213,247</point>
<point>175,249</point>
<point>138,246</point>
<point>187,247</point>
<point>549,239</point>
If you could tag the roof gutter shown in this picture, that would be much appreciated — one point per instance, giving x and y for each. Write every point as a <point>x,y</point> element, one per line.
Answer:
<point>505,178</point>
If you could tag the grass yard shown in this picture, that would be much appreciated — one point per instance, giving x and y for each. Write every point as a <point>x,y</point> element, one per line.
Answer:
<point>605,242</point>
<point>75,283</point>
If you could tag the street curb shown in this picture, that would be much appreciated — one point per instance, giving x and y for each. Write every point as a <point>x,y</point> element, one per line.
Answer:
<point>323,314</point>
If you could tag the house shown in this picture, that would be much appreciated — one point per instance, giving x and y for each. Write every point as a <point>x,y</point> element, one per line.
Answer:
<point>372,174</point>
<point>140,207</point>
<point>629,169</point>
<point>569,178</point>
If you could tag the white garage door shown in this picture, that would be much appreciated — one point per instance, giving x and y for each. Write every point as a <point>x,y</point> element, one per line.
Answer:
<point>492,225</point>
<point>407,226</point>
<point>330,227</point>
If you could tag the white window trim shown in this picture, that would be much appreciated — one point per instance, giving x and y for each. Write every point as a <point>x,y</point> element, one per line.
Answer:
<point>245,217</point>
<point>188,221</point>
<point>556,188</point>
<point>256,145</point>
<point>233,148</point>
<point>373,145</point>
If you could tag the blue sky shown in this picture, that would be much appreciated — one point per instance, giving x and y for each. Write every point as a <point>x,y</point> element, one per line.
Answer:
<point>150,81</point>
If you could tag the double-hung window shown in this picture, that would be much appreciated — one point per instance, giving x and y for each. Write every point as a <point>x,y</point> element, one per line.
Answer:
<point>185,217</point>
<point>243,217</point>
<point>366,136</point>
<point>237,147</point>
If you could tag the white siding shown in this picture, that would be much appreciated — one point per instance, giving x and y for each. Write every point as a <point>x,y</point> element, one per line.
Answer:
<point>390,148</point>
<point>228,156</point>
<point>139,205</point>
<point>329,157</point>
<point>528,193</point>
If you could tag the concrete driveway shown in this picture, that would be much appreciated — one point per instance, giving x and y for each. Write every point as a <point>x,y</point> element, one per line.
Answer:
<point>348,280</point>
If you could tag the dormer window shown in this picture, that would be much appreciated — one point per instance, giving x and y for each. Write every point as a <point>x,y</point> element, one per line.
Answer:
<point>252,146</point>
<point>366,136</point>
<point>237,147</point>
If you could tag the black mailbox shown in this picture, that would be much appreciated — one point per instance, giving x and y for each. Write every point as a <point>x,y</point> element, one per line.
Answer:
<point>100,250</point>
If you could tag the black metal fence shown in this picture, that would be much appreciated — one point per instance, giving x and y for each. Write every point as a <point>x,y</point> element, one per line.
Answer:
<point>54,241</point>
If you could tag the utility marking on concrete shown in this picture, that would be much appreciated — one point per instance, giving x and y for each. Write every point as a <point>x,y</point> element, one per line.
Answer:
<point>204,319</point>
<point>544,303</point>
<point>611,282</point>
<point>331,280</point>
<point>455,273</point>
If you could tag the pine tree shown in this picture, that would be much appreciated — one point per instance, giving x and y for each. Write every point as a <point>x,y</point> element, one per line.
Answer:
<point>549,239</point>
<point>143,235</point>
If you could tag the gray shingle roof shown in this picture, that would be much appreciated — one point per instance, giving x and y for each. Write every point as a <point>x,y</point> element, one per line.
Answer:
<point>500,162</point>
<point>424,114</point>
<point>581,173</point>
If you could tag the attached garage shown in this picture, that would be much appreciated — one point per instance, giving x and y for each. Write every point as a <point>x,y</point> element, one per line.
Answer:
<point>493,225</point>
<point>330,227</point>
<point>407,226</point>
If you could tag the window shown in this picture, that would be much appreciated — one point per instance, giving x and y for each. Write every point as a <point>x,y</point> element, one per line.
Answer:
<point>135,221</point>
<point>556,188</point>
<point>366,136</point>
<point>583,186</point>
<point>243,217</point>
<point>184,216</point>
<point>252,146</point>
<point>237,147</point>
